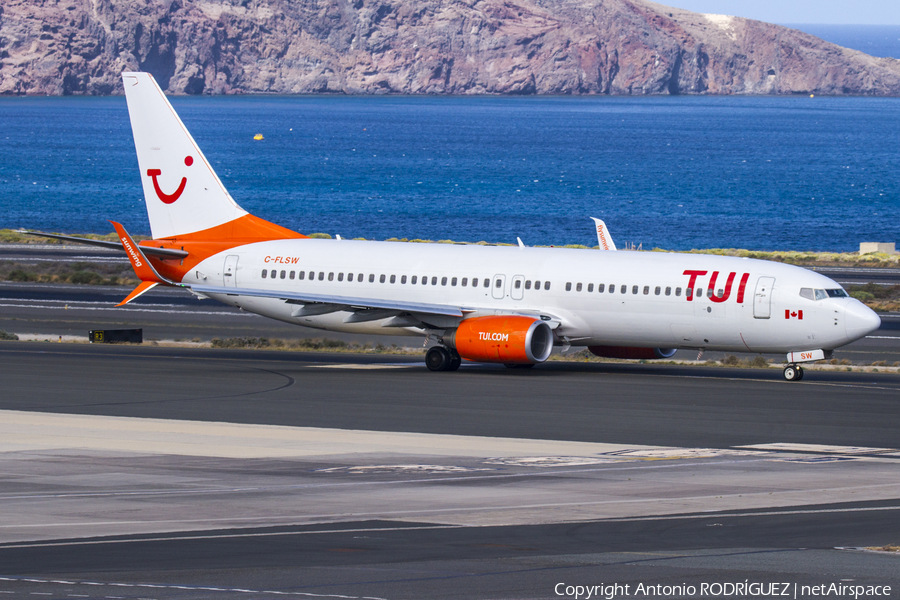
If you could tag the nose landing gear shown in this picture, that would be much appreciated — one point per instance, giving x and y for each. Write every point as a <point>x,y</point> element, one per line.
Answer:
<point>793,373</point>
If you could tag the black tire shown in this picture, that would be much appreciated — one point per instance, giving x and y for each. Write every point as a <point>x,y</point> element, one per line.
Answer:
<point>791,373</point>
<point>799,373</point>
<point>455,362</point>
<point>437,359</point>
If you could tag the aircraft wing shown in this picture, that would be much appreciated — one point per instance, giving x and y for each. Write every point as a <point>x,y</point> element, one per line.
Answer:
<point>333,303</point>
<point>150,250</point>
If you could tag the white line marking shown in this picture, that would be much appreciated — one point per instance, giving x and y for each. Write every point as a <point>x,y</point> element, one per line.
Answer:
<point>129,309</point>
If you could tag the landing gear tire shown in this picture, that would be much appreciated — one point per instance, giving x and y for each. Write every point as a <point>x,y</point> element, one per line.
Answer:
<point>440,359</point>
<point>793,373</point>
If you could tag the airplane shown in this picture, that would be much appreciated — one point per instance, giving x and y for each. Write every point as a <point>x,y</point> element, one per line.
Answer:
<point>492,304</point>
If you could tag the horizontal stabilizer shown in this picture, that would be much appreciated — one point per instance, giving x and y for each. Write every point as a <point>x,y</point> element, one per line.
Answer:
<point>144,286</point>
<point>150,250</point>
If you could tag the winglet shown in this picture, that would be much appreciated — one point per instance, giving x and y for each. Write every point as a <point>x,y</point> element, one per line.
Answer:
<point>142,267</point>
<point>604,240</point>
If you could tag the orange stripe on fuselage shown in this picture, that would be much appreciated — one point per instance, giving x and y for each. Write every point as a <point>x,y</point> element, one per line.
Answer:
<point>200,245</point>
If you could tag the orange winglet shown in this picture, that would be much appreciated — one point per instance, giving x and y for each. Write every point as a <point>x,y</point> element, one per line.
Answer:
<point>142,267</point>
<point>144,286</point>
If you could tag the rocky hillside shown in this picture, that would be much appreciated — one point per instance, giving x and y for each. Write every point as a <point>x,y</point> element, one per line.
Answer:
<point>418,47</point>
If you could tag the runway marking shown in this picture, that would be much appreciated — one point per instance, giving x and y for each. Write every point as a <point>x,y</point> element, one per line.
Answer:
<point>190,588</point>
<point>820,448</point>
<point>882,337</point>
<point>366,367</point>
<point>127,309</point>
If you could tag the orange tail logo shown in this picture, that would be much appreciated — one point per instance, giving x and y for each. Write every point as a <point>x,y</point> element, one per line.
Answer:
<point>169,198</point>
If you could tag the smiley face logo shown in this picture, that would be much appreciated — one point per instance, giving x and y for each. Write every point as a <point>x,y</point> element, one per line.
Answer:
<point>169,198</point>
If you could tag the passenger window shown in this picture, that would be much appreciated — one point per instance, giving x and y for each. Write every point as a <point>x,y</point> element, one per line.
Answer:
<point>699,292</point>
<point>443,281</point>
<point>612,288</point>
<point>414,280</point>
<point>499,283</point>
<point>283,274</point>
<point>372,278</point>
<point>537,284</point>
<point>340,276</point>
<point>265,273</point>
<point>569,286</point>
<point>657,291</point>
<point>474,282</point>
<point>668,290</point>
<point>807,293</point>
<point>321,275</point>
<point>393,279</point>
<point>434,281</point>
<point>381,279</point>
<point>528,284</point>
<point>301,275</point>
<point>453,281</point>
<point>677,291</point>
<point>623,289</point>
<point>464,281</point>
<point>647,290</point>
<point>312,275</point>
<point>517,284</point>
<point>487,282</point>
<point>601,287</point>
<point>291,274</point>
<point>578,287</point>
<point>634,289</point>
<point>546,285</point>
<point>403,279</point>
<point>590,287</point>
<point>349,276</point>
<point>331,276</point>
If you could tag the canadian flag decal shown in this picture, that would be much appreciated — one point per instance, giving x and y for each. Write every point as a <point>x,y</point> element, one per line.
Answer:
<point>793,314</point>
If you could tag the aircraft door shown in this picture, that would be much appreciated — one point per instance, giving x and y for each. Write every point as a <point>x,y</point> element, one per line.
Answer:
<point>517,289</point>
<point>498,287</point>
<point>230,272</point>
<point>762,299</point>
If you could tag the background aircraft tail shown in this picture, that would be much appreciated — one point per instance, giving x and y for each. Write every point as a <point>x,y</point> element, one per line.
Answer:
<point>183,194</point>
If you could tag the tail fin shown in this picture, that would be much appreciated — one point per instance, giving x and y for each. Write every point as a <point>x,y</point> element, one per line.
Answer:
<point>604,240</point>
<point>183,193</point>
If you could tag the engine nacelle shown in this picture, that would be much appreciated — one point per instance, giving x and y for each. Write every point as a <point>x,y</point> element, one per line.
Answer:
<point>632,353</point>
<point>502,339</point>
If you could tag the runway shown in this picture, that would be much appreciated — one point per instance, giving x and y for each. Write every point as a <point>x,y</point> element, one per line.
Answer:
<point>156,472</point>
<point>194,473</point>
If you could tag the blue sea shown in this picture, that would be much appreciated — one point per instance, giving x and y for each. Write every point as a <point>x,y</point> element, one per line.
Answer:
<point>677,173</point>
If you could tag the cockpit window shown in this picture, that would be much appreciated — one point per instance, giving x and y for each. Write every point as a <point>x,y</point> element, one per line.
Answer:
<point>812,294</point>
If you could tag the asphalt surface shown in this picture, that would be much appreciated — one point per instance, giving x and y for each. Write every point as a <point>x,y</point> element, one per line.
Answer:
<point>663,405</point>
<point>401,560</point>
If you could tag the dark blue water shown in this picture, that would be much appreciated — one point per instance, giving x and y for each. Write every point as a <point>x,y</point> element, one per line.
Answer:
<point>677,173</point>
<point>877,40</point>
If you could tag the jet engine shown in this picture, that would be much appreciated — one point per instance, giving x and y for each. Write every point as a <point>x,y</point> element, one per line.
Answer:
<point>510,340</point>
<point>632,353</point>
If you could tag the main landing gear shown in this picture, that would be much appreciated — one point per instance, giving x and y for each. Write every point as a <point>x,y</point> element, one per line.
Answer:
<point>793,373</point>
<point>439,358</point>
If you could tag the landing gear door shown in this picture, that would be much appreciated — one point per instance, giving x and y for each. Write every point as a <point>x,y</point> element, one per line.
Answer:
<point>498,287</point>
<point>230,272</point>
<point>762,299</point>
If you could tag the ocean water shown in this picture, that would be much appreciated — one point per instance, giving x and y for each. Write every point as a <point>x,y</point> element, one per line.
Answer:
<point>671,172</point>
<point>877,40</point>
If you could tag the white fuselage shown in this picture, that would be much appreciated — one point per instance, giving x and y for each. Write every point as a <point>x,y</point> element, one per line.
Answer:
<point>649,307</point>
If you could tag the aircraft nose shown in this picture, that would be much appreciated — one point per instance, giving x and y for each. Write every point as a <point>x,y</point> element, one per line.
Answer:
<point>860,320</point>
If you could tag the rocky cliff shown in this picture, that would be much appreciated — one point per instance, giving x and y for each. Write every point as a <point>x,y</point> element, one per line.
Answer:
<point>418,47</point>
